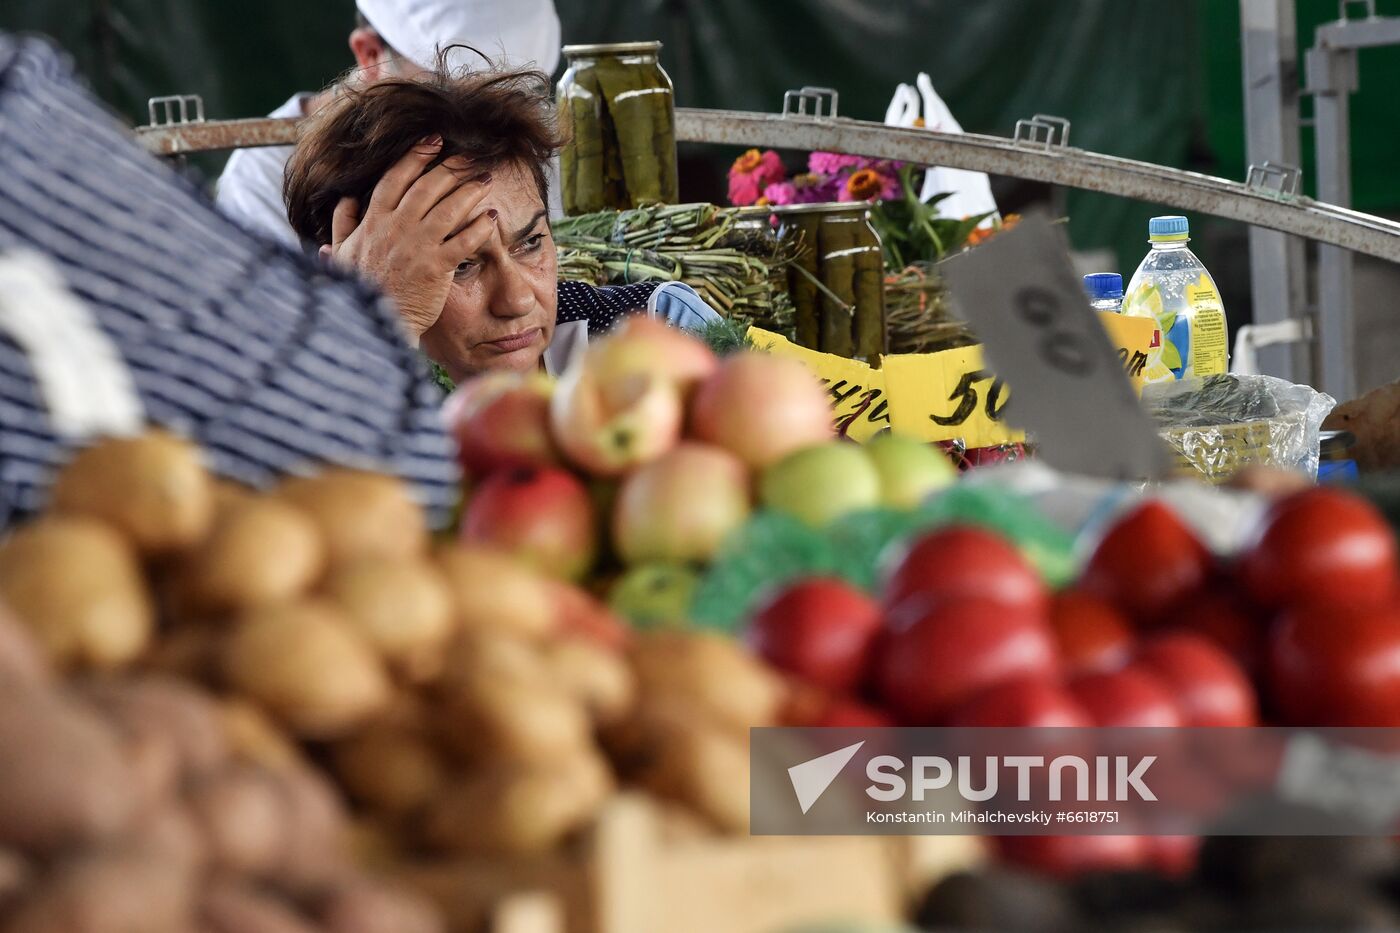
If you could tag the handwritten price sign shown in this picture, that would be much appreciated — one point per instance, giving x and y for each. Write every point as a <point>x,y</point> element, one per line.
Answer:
<point>1021,296</point>
<point>937,396</point>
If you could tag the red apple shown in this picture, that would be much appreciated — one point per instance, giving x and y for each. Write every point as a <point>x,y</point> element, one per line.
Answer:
<point>1091,634</point>
<point>1209,687</point>
<point>543,516</point>
<point>1330,666</point>
<point>648,345</point>
<point>951,652</point>
<point>762,408</point>
<point>851,714</point>
<point>682,506</point>
<point>1146,563</point>
<point>500,421</point>
<point>608,423</point>
<point>577,613</point>
<point>1026,701</point>
<point>1128,697</point>
<point>820,629</point>
<point>962,562</point>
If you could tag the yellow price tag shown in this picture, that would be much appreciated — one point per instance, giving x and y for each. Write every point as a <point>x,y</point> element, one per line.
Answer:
<point>939,396</point>
<point>857,391</point>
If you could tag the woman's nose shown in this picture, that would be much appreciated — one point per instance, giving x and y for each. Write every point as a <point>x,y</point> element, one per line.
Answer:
<point>513,295</point>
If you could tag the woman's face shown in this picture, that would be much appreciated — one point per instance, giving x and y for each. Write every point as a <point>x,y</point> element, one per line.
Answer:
<point>500,309</point>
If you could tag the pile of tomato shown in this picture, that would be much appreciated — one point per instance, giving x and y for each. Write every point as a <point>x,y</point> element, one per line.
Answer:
<point>1302,627</point>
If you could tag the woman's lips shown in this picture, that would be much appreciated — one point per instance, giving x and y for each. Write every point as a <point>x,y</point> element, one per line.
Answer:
<point>515,341</point>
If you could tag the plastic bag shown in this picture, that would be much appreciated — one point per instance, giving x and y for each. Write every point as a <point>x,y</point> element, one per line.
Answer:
<point>1220,424</point>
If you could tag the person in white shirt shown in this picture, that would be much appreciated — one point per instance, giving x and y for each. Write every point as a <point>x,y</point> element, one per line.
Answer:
<point>398,39</point>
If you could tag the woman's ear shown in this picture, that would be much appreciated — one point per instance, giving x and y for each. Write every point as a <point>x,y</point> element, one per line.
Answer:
<point>371,54</point>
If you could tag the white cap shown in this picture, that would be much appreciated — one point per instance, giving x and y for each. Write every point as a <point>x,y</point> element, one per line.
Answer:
<point>515,33</point>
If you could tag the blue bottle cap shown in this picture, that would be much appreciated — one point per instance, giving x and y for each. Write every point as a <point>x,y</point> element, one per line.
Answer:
<point>1168,228</point>
<point>1103,285</point>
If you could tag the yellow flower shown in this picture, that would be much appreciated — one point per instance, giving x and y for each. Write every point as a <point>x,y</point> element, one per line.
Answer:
<point>864,185</point>
<point>919,121</point>
<point>747,162</point>
<point>762,201</point>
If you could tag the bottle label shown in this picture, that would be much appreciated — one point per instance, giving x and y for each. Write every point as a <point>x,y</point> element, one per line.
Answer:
<point>1209,337</point>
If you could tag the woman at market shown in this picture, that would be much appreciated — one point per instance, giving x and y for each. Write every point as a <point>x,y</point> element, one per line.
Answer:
<point>435,188</point>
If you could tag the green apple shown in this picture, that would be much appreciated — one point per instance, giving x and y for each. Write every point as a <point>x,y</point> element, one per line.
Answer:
<point>909,469</point>
<point>654,594</point>
<point>820,484</point>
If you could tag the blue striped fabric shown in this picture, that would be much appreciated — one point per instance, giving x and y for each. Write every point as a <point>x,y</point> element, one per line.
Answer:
<point>272,363</point>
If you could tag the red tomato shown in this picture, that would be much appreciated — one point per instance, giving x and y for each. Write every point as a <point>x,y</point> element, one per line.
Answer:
<point>1146,563</point>
<point>1092,635</point>
<point>1337,667</point>
<point>1128,697</point>
<point>954,650</point>
<point>1067,856</point>
<point>1210,689</point>
<point>820,629</point>
<point>1321,546</point>
<point>1227,620</point>
<point>851,714</point>
<point>963,562</point>
<point>1174,856</point>
<point>1026,701</point>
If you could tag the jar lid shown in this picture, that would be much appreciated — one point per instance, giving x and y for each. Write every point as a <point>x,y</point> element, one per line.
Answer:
<point>610,48</point>
<point>819,207</point>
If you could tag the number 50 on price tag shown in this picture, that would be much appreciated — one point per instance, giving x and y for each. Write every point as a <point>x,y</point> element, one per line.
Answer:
<point>1022,298</point>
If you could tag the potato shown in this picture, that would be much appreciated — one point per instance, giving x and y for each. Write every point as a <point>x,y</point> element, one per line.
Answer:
<point>65,779</point>
<point>402,607</point>
<point>494,591</point>
<point>709,671</point>
<point>169,832</point>
<point>108,892</point>
<point>599,678</point>
<point>16,874</point>
<point>704,767</point>
<point>318,831</point>
<point>513,722</point>
<point>188,652</point>
<point>255,739</point>
<point>360,514</point>
<point>230,906</point>
<point>366,907</point>
<point>152,488</point>
<point>21,660</point>
<point>242,811</point>
<point>518,812</point>
<point>165,708</point>
<point>389,768</point>
<point>304,663</point>
<point>76,586</point>
<point>260,551</point>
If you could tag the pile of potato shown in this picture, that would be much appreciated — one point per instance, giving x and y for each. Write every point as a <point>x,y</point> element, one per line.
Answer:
<point>463,703</point>
<point>142,804</point>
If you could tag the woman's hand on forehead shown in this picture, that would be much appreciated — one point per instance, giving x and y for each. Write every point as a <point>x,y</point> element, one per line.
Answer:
<point>421,220</point>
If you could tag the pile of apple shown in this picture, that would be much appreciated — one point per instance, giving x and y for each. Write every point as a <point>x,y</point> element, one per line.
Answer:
<point>1301,628</point>
<point>650,451</point>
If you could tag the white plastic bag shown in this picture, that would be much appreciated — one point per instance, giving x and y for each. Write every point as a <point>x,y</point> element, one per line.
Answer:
<point>970,192</point>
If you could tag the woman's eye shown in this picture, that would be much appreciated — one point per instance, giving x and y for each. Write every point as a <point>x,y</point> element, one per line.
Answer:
<point>533,243</point>
<point>465,266</point>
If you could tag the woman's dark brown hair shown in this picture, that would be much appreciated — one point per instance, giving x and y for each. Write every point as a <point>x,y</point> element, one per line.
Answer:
<point>491,117</point>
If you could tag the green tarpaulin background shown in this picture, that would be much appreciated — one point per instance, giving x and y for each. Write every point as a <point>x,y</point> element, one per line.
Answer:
<point>1143,79</point>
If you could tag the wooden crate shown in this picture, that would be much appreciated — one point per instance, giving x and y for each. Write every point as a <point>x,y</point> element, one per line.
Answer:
<point>627,878</point>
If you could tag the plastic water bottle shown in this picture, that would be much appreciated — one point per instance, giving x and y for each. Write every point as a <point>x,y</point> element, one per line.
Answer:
<point>1105,291</point>
<point>1172,286</point>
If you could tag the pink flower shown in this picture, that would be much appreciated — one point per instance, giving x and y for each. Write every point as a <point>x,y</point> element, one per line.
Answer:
<point>869,184</point>
<point>834,163</point>
<point>784,192</point>
<point>770,169</point>
<point>743,189</point>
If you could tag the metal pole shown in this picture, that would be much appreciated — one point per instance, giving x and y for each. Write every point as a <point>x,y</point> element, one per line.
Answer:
<point>1332,76</point>
<point>1277,262</point>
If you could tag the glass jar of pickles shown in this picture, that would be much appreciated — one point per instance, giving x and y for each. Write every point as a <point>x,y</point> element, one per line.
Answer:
<point>618,107</point>
<point>837,283</point>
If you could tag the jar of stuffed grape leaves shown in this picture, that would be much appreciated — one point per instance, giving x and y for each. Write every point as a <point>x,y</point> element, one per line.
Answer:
<point>618,108</point>
<point>837,282</point>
